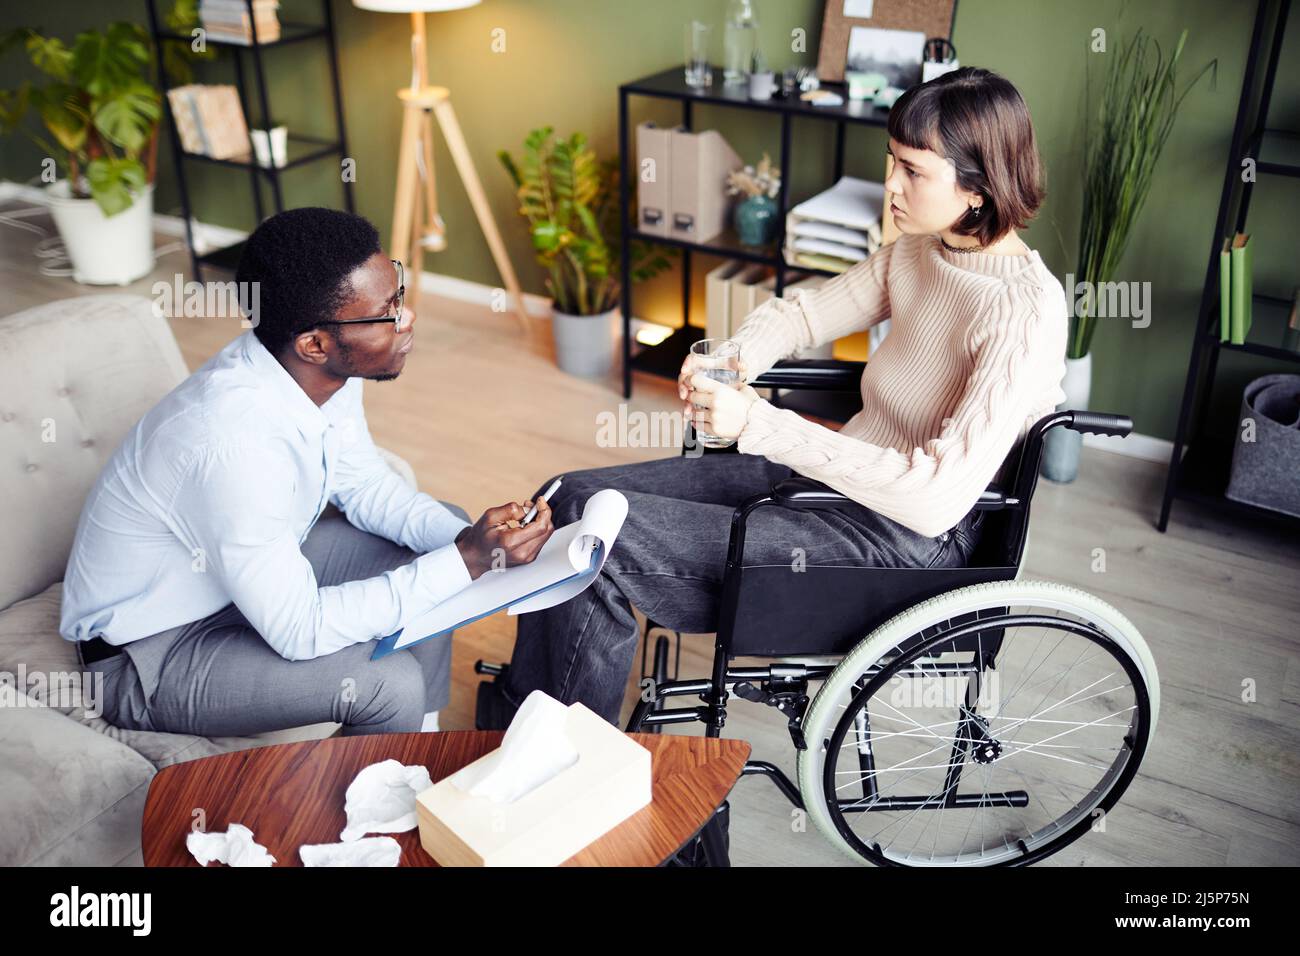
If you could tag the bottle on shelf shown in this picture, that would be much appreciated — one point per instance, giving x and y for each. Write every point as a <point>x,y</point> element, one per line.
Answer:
<point>740,41</point>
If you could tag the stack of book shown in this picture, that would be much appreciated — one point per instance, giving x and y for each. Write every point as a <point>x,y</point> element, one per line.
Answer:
<point>837,228</point>
<point>210,120</point>
<point>1235,289</point>
<point>229,22</point>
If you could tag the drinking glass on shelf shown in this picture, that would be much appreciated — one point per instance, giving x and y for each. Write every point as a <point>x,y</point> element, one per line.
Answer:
<point>718,359</point>
<point>698,71</point>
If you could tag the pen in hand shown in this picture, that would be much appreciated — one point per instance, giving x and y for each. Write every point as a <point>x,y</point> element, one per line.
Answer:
<point>532,512</point>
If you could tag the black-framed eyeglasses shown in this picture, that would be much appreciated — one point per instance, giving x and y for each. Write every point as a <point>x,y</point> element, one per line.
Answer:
<point>398,320</point>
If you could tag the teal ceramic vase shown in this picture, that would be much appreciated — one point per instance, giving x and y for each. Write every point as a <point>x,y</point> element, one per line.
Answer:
<point>756,220</point>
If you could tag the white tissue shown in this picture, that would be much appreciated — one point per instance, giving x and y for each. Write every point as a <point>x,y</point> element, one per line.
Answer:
<point>382,799</point>
<point>235,847</point>
<point>370,851</point>
<point>535,748</point>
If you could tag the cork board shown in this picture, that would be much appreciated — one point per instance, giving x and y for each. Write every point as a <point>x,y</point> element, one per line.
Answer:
<point>934,18</point>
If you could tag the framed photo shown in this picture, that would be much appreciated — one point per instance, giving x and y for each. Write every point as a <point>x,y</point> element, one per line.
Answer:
<point>880,33</point>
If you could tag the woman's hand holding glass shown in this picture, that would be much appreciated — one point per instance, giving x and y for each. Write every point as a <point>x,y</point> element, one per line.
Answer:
<point>711,383</point>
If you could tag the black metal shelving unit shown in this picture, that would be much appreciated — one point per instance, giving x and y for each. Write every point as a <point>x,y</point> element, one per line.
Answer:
<point>1201,474</point>
<point>300,149</point>
<point>665,359</point>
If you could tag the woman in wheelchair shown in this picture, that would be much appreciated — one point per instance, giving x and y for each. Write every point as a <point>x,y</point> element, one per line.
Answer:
<point>811,541</point>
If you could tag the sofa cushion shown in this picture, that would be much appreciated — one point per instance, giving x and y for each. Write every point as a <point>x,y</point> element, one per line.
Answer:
<point>43,663</point>
<point>44,666</point>
<point>77,373</point>
<point>71,795</point>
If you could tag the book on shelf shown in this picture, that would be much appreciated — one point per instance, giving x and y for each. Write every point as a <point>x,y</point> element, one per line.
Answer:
<point>1241,257</point>
<point>210,120</point>
<point>1225,290</point>
<point>228,21</point>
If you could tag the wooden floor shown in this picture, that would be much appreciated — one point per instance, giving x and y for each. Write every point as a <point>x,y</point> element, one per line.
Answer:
<point>484,417</point>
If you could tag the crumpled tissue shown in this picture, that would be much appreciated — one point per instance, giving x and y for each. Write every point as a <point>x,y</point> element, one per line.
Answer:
<point>368,851</point>
<point>535,748</point>
<point>382,799</point>
<point>235,847</point>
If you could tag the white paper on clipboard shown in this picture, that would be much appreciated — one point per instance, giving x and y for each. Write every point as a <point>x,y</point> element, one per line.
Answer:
<point>602,519</point>
<point>561,570</point>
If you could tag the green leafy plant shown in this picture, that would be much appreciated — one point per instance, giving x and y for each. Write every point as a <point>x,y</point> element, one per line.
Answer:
<point>570,201</point>
<point>1139,103</point>
<point>100,109</point>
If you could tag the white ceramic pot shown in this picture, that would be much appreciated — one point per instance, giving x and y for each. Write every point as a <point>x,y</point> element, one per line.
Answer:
<point>105,250</point>
<point>1062,446</point>
<point>584,344</point>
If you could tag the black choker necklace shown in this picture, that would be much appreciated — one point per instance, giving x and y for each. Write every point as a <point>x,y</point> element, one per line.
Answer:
<point>951,248</point>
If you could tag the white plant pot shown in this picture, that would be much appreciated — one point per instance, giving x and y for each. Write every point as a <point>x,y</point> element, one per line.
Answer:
<point>105,250</point>
<point>1062,446</point>
<point>584,344</point>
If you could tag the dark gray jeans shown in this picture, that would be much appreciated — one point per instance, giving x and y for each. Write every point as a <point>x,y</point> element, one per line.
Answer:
<point>669,561</point>
<point>218,677</point>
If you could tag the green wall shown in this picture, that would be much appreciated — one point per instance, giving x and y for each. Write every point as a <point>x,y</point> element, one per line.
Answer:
<point>564,60</point>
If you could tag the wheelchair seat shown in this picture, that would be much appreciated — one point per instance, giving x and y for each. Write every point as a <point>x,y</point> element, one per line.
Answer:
<point>825,610</point>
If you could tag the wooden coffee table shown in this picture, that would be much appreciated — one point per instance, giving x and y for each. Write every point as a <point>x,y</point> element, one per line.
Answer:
<point>293,794</point>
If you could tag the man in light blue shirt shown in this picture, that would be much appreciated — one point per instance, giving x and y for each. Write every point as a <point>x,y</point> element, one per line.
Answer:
<point>201,582</point>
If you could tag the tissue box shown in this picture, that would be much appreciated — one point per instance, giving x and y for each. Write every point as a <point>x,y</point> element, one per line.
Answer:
<point>609,783</point>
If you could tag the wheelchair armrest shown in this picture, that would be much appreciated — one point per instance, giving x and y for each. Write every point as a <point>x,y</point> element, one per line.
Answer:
<point>831,375</point>
<point>802,492</point>
<point>993,498</point>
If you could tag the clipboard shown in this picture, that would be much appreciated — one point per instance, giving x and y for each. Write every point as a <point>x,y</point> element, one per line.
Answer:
<point>564,568</point>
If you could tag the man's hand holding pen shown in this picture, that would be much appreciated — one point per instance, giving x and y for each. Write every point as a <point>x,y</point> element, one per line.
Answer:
<point>499,535</point>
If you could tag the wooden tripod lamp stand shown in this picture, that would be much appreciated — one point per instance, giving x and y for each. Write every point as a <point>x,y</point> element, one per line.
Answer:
<point>416,223</point>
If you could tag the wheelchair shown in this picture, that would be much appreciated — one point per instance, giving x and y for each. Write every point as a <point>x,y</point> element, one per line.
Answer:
<point>965,717</point>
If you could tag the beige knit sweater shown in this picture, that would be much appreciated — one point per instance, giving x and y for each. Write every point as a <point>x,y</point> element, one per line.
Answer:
<point>975,355</point>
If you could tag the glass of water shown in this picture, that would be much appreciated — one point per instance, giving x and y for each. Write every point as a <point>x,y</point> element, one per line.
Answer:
<point>718,359</point>
<point>698,71</point>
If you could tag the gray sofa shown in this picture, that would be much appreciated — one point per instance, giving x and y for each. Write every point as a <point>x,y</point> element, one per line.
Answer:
<point>76,374</point>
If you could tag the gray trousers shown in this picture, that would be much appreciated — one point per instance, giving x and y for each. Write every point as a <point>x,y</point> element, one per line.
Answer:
<point>669,561</point>
<point>217,677</point>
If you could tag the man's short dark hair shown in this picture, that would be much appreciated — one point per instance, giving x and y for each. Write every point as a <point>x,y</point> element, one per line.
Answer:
<point>977,119</point>
<point>301,260</point>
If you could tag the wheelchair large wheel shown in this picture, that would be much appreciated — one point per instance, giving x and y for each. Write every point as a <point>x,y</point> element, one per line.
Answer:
<point>992,725</point>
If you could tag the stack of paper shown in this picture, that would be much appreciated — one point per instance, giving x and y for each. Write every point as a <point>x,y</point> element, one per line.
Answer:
<point>837,228</point>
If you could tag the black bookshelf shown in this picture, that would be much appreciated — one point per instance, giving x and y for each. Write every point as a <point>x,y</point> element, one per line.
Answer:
<point>665,358</point>
<point>301,149</point>
<point>1199,463</point>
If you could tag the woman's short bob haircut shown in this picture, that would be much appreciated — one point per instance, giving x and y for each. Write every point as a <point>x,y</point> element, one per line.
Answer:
<point>979,121</point>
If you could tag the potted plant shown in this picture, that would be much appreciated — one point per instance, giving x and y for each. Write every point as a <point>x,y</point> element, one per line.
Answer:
<point>99,113</point>
<point>756,215</point>
<point>570,201</point>
<point>1138,106</point>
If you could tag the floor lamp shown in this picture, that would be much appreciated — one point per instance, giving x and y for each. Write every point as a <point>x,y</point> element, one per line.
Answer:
<point>416,223</point>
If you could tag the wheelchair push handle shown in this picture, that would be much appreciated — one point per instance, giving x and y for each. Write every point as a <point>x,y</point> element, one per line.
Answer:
<point>1099,423</point>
